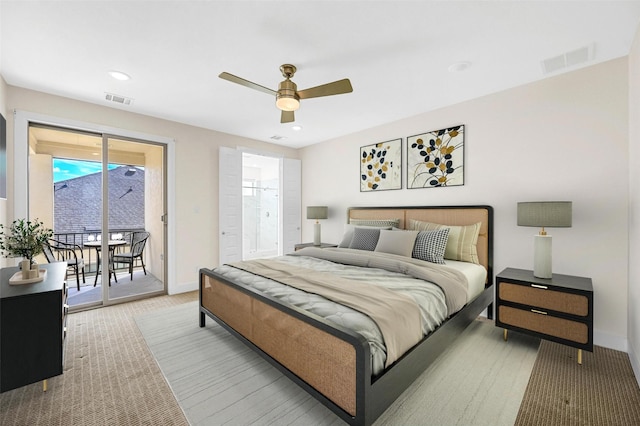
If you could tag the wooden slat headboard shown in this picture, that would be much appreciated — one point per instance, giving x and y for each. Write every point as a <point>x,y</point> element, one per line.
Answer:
<point>446,215</point>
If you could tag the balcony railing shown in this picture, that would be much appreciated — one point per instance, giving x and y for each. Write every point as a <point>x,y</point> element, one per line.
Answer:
<point>80,238</point>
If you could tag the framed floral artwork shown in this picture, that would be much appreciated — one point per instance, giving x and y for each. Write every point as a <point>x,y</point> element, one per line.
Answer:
<point>436,159</point>
<point>381,166</point>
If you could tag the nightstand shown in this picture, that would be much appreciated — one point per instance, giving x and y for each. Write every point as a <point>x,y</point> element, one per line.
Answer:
<point>322,245</point>
<point>559,309</point>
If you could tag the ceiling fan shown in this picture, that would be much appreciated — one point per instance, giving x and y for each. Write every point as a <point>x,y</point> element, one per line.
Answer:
<point>287,96</point>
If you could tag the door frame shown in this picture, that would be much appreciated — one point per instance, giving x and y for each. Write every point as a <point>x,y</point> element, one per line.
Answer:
<point>22,120</point>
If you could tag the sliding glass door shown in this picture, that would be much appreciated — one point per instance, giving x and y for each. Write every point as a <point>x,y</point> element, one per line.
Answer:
<point>105,198</point>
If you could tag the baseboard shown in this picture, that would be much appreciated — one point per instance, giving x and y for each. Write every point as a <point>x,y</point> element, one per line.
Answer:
<point>635,363</point>
<point>182,288</point>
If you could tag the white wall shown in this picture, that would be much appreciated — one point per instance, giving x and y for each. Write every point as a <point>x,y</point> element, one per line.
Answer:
<point>196,171</point>
<point>634,206</point>
<point>563,138</point>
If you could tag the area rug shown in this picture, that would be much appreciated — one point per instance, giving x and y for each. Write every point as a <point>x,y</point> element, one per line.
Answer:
<point>217,380</point>
<point>601,391</point>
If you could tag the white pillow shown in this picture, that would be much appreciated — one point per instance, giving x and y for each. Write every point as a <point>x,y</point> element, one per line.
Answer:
<point>348,234</point>
<point>379,223</point>
<point>397,242</point>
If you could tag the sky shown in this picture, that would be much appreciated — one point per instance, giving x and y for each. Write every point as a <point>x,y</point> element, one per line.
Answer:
<point>64,169</point>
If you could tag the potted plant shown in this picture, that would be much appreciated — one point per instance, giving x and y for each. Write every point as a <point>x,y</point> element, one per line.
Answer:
<point>24,238</point>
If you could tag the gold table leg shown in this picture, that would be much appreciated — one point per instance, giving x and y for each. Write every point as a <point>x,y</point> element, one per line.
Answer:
<point>504,334</point>
<point>580,356</point>
<point>44,385</point>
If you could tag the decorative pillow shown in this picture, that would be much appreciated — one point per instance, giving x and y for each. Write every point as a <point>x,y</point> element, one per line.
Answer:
<point>431,245</point>
<point>348,234</point>
<point>397,242</point>
<point>462,242</point>
<point>365,238</point>
<point>380,223</point>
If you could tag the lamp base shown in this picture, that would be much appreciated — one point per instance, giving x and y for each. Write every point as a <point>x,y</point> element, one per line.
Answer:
<point>316,234</point>
<point>542,256</point>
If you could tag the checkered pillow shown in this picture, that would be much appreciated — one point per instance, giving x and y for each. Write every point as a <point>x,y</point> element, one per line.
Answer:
<point>365,238</point>
<point>430,245</point>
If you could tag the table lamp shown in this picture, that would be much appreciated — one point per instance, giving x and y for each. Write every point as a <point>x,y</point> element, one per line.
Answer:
<point>549,214</point>
<point>317,212</point>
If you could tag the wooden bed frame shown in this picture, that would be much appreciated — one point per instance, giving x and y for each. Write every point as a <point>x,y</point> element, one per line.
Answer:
<point>330,362</point>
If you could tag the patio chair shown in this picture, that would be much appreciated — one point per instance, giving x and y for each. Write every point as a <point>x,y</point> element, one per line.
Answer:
<point>138,241</point>
<point>66,252</point>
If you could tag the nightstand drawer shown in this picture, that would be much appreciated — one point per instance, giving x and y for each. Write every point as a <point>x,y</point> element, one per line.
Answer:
<point>570,303</point>
<point>539,322</point>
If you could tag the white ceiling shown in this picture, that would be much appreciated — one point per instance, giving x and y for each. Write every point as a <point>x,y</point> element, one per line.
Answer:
<point>396,54</point>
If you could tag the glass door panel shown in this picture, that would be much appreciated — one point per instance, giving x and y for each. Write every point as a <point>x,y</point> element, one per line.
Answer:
<point>65,180</point>
<point>136,206</point>
<point>260,205</point>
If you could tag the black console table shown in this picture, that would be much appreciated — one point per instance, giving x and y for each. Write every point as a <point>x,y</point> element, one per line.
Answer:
<point>32,327</point>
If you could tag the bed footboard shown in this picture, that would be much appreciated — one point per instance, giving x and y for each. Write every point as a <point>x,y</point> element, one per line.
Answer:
<point>315,355</point>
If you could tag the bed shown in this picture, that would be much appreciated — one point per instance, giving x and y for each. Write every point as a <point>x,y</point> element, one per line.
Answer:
<point>336,363</point>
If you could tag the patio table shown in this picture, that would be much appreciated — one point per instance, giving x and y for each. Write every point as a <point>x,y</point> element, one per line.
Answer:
<point>98,246</point>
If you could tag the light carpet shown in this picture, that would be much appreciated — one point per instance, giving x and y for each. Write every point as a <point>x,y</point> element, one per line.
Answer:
<point>478,380</point>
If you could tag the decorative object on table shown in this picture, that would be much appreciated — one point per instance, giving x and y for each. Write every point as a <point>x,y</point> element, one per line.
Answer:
<point>541,214</point>
<point>381,166</point>
<point>436,158</point>
<point>24,238</point>
<point>317,212</point>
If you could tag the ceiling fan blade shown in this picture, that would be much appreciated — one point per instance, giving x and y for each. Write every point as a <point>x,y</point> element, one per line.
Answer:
<point>287,117</point>
<point>234,79</point>
<point>335,88</point>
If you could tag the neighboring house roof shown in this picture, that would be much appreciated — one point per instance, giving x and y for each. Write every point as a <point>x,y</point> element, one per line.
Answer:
<point>78,201</point>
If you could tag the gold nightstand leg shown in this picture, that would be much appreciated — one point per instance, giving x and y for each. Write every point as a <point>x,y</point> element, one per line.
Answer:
<point>44,385</point>
<point>504,334</point>
<point>580,356</point>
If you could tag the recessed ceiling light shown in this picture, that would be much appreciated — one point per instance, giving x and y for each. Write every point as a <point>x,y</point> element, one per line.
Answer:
<point>459,66</point>
<point>297,127</point>
<point>119,75</point>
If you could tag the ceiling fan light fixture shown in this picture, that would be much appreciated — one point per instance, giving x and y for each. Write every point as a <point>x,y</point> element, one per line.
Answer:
<point>286,98</point>
<point>287,103</point>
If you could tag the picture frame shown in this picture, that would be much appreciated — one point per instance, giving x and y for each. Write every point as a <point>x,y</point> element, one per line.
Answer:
<point>381,166</point>
<point>436,159</point>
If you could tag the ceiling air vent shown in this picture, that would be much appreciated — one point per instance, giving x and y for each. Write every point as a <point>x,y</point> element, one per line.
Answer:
<point>118,99</point>
<point>277,137</point>
<point>567,60</point>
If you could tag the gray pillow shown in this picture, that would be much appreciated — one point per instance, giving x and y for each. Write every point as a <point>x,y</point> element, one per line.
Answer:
<point>397,242</point>
<point>348,234</point>
<point>431,245</point>
<point>365,238</point>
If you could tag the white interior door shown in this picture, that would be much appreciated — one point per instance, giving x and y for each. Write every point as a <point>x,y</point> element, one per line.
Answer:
<point>291,202</point>
<point>230,205</point>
